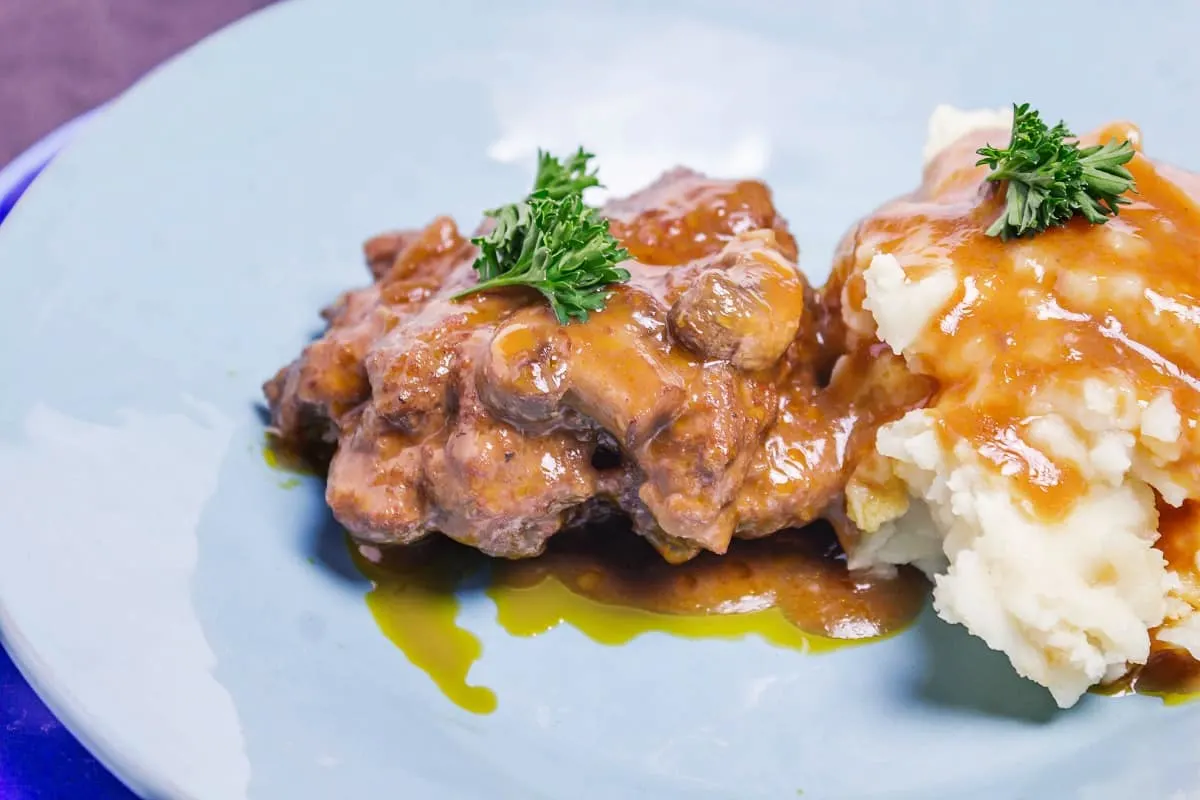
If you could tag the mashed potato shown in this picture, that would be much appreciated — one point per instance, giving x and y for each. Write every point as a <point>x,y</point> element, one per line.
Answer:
<point>1029,490</point>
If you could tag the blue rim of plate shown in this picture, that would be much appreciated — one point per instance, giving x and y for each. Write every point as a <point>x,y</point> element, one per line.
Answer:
<point>19,174</point>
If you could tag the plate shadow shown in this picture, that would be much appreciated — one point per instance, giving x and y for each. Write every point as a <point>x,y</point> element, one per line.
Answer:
<point>326,543</point>
<point>961,672</point>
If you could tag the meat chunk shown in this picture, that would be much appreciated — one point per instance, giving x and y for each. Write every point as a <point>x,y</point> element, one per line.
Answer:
<point>501,491</point>
<point>413,368</point>
<point>478,480</point>
<point>375,485</point>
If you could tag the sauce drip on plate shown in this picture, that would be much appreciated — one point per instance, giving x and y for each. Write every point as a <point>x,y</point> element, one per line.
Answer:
<point>792,590</point>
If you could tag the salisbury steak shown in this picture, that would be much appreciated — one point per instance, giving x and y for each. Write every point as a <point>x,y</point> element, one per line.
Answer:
<point>692,402</point>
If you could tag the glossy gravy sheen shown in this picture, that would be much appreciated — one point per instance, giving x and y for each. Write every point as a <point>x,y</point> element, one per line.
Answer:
<point>1119,300</point>
<point>792,590</point>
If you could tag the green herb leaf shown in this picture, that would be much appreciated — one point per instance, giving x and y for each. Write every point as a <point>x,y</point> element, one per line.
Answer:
<point>553,242</point>
<point>1049,178</point>
<point>558,180</point>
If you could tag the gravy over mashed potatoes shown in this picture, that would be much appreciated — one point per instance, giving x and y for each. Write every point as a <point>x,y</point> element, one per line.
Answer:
<point>1048,487</point>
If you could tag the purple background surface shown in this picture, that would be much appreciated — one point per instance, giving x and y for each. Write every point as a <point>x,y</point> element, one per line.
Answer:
<point>58,59</point>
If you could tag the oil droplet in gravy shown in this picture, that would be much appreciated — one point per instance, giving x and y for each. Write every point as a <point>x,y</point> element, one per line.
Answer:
<point>792,590</point>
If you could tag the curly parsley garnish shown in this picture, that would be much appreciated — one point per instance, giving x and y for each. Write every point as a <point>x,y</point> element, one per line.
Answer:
<point>552,242</point>
<point>1050,179</point>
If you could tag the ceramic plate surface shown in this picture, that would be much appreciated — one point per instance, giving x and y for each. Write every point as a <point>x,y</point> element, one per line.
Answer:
<point>201,628</point>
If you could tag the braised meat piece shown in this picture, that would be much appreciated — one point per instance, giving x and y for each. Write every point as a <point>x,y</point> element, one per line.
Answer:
<point>691,402</point>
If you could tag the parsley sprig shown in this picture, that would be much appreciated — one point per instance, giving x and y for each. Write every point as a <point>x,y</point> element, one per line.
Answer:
<point>1049,178</point>
<point>552,242</point>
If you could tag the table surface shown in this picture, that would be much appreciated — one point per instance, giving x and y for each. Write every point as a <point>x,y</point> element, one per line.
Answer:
<point>58,59</point>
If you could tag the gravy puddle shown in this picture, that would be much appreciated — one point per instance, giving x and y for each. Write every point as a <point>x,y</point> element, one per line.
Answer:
<point>792,590</point>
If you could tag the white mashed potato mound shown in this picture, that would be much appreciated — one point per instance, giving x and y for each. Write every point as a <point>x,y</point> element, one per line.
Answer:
<point>1070,602</point>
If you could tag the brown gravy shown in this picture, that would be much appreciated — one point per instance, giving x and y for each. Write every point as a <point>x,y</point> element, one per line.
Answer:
<point>1170,674</point>
<point>1116,302</point>
<point>801,573</point>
